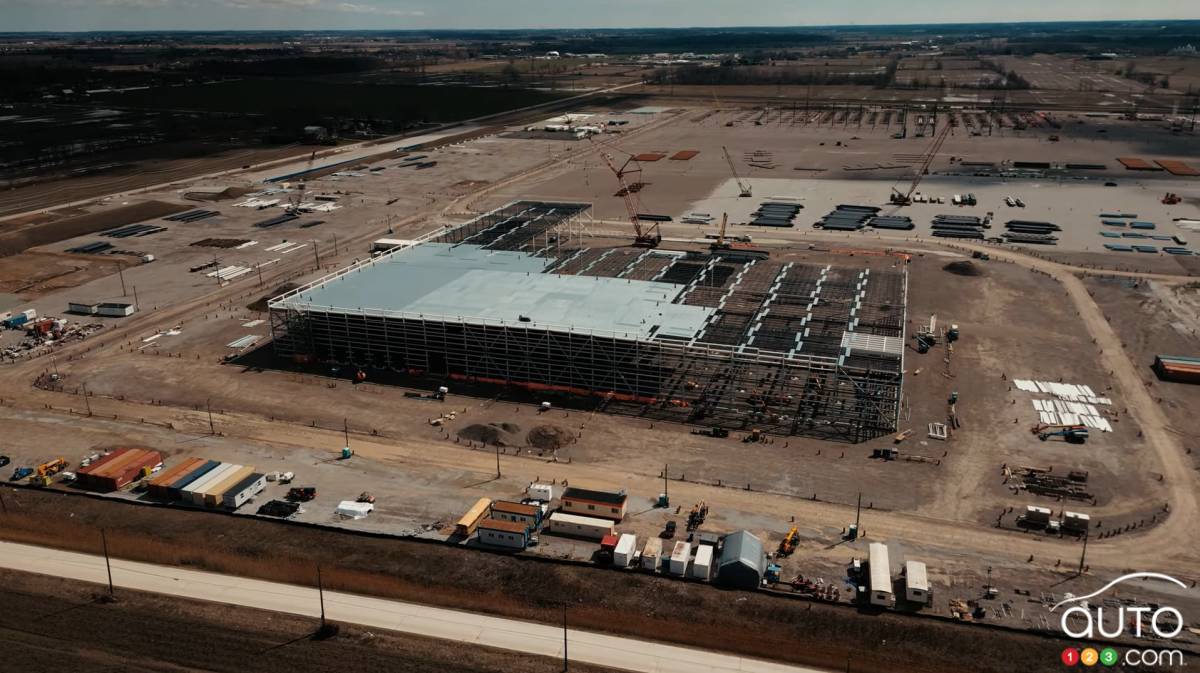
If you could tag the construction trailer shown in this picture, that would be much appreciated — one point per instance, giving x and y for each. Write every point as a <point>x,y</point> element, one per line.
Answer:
<point>214,495</point>
<point>652,554</point>
<point>470,521</point>
<point>703,563</point>
<point>586,527</point>
<point>1076,523</point>
<point>529,516</point>
<point>625,551</point>
<point>498,533</point>
<point>681,555</point>
<point>517,300</point>
<point>587,502</point>
<point>743,562</point>
<point>244,491</point>
<point>916,583</point>
<point>118,469</point>
<point>880,576</point>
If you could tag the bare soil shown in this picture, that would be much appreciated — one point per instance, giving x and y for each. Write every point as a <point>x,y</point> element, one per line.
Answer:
<point>17,240</point>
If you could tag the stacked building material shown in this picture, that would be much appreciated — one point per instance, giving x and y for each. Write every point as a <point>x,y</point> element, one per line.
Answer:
<point>847,218</point>
<point>776,214</point>
<point>118,469</point>
<point>279,219</point>
<point>1030,231</point>
<point>958,233</point>
<point>1141,225</point>
<point>192,216</point>
<point>91,248</point>
<point>1039,239</point>
<point>901,222</point>
<point>1177,368</point>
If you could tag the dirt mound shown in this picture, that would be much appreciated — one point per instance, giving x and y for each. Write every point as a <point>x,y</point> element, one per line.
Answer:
<point>222,195</point>
<point>963,269</point>
<point>260,304</point>
<point>496,434</point>
<point>548,437</point>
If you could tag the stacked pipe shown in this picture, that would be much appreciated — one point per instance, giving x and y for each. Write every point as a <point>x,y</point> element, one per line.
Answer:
<point>776,214</point>
<point>958,226</point>
<point>1030,231</point>
<point>901,222</point>
<point>847,218</point>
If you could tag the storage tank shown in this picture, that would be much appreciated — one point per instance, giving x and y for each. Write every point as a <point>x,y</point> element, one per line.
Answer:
<point>680,557</point>
<point>702,566</point>
<point>626,548</point>
<point>652,554</point>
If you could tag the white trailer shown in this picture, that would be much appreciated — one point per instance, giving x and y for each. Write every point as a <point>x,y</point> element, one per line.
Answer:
<point>543,492</point>
<point>916,583</point>
<point>702,566</point>
<point>652,554</point>
<point>580,526</point>
<point>626,548</point>
<point>680,557</point>
<point>247,489</point>
<point>880,575</point>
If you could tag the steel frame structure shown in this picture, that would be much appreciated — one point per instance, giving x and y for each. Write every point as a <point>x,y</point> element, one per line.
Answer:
<point>771,357</point>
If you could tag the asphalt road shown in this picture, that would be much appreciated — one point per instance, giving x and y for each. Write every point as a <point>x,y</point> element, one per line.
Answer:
<point>466,627</point>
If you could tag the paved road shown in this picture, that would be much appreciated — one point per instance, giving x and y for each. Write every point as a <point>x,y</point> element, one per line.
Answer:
<point>466,627</point>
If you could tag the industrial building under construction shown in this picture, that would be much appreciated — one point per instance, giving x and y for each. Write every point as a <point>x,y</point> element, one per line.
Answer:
<point>726,338</point>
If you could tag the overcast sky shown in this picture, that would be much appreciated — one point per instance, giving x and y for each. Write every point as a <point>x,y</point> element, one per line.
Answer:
<point>21,15</point>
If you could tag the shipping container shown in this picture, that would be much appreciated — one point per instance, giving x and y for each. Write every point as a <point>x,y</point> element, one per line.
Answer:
<point>214,495</point>
<point>470,521</point>
<point>702,566</point>
<point>193,492</point>
<point>680,557</point>
<point>158,485</point>
<point>118,469</point>
<point>580,526</point>
<point>116,460</point>
<point>652,554</point>
<point>244,491</point>
<point>175,490</point>
<point>626,548</point>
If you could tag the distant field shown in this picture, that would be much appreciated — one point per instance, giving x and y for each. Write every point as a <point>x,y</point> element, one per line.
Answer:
<point>311,99</point>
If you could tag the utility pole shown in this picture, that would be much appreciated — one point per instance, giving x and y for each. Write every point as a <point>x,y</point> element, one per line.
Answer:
<point>346,431</point>
<point>86,402</point>
<point>212,430</point>
<point>316,255</point>
<point>335,246</point>
<point>107,563</point>
<point>321,596</point>
<point>135,299</point>
<point>858,512</point>
<point>566,661</point>
<point>1083,554</point>
<point>666,494</point>
<point>121,274</point>
<point>497,461</point>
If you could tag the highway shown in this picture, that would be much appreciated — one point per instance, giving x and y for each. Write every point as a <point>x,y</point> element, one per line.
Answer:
<point>465,627</point>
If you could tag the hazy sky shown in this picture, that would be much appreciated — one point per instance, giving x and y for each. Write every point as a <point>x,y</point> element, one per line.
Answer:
<point>20,15</point>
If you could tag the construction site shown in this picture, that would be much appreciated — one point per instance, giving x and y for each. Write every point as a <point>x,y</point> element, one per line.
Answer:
<point>935,360</point>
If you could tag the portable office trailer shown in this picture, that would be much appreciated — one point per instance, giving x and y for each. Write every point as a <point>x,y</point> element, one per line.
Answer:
<point>626,548</point>
<point>499,533</point>
<point>1036,516</point>
<point>916,583</point>
<point>175,490</point>
<point>470,521</point>
<point>528,515</point>
<point>580,526</point>
<point>652,554</point>
<point>702,566</point>
<point>586,502</point>
<point>115,309</point>
<point>1074,522</point>
<point>194,493</point>
<point>543,492</point>
<point>82,308</point>
<point>880,575</point>
<point>680,557</point>
<point>159,483</point>
<point>244,490</point>
<point>213,496</point>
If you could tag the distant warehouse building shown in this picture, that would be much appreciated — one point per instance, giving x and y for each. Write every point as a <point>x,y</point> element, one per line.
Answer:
<point>118,469</point>
<point>743,562</point>
<point>587,502</point>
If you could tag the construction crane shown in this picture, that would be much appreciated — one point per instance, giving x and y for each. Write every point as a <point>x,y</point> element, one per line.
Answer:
<point>743,186</point>
<point>1073,434</point>
<point>905,199</point>
<point>644,237</point>
<point>723,243</point>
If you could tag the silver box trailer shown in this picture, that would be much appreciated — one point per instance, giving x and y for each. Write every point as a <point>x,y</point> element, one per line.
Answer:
<point>652,554</point>
<point>702,565</point>
<point>680,557</point>
<point>626,548</point>
<point>880,575</point>
<point>916,583</point>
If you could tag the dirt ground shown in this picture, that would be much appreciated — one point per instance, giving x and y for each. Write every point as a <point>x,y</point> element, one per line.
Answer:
<point>631,603</point>
<point>60,626</point>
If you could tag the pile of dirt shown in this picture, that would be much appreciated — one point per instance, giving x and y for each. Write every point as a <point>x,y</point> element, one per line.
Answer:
<point>963,269</point>
<point>548,437</point>
<point>260,304</point>
<point>222,195</point>
<point>495,434</point>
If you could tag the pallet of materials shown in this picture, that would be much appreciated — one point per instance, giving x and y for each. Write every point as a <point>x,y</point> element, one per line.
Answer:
<point>91,248</point>
<point>896,222</point>
<point>1181,252</point>
<point>138,230</point>
<point>1141,225</point>
<point>1177,368</point>
<point>1039,239</point>
<point>1177,167</point>
<point>1117,247</point>
<point>1135,164</point>
<point>192,216</point>
<point>1145,248</point>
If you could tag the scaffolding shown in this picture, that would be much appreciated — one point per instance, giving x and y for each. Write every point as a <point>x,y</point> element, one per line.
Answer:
<point>784,348</point>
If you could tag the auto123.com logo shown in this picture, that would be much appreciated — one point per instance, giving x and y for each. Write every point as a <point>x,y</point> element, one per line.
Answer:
<point>1079,619</point>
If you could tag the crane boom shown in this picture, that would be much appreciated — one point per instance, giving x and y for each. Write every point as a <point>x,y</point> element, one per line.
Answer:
<point>743,187</point>
<point>643,237</point>
<point>923,168</point>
